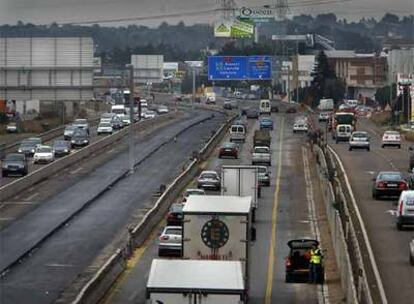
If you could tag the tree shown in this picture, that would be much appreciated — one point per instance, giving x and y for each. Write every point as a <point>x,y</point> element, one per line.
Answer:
<point>322,73</point>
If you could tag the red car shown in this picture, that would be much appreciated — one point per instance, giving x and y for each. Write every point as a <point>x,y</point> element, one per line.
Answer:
<point>175,215</point>
<point>229,150</point>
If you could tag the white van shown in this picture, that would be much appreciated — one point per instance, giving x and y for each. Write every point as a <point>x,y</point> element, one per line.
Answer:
<point>237,133</point>
<point>405,209</point>
<point>118,109</point>
<point>265,106</point>
<point>343,133</point>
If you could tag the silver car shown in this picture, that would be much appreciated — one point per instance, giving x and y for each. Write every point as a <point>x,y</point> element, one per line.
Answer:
<point>359,140</point>
<point>170,241</point>
<point>263,175</point>
<point>261,155</point>
<point>412,252</point>
<point>209,180</point>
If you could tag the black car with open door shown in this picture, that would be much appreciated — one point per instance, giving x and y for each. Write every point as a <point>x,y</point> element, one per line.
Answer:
<point>298,260</point>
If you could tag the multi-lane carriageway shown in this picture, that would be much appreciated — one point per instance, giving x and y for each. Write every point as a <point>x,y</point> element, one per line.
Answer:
<point>288,209</point>
<point>285,213</point>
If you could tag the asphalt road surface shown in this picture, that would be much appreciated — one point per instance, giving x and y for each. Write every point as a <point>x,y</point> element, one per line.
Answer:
<point>62,257</point>
<point>283,209</point>
<point>389,245</point>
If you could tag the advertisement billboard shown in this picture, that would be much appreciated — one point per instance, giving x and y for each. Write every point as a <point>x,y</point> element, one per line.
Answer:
<point>239,68</point>
<point>234,29</point>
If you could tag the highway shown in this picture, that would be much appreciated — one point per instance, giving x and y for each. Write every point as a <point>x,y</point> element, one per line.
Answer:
<point>389,245</point>
<point>283,214</point>
<point>84,241</point>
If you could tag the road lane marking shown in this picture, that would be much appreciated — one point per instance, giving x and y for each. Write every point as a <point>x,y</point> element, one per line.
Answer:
<point>5,219</point>
<point>32,196</point>
<point>57,265</point>
<point>75,171</point>
<point>272,248</point>
<point>20,203</point>
<point>322,290</point>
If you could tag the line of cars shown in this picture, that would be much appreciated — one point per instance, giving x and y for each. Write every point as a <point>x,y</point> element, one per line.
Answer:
<point>33,150</point>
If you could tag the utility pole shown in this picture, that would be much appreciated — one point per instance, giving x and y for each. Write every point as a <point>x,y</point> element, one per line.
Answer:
<point>297,71</point>
<point>131,160</point>
<point>194,88</point>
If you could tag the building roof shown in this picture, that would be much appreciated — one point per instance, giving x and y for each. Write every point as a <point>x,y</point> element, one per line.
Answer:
<point>196,274</point>
<point>218,204</point>
<point>340,54</point>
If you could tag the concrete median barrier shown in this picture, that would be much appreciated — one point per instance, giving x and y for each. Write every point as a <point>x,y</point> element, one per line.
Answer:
<point>44,172</point>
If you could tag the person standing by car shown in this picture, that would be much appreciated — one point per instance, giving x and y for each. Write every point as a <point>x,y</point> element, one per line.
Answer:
<point>315,264</point>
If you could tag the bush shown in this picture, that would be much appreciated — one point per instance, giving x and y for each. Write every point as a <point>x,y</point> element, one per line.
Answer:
<point>381,118</point>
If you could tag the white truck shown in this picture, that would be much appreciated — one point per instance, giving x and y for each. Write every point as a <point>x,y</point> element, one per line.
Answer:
<point>218,228</point>
<point>194,281</point>
<point>241,181</point>
<point>326,105</point>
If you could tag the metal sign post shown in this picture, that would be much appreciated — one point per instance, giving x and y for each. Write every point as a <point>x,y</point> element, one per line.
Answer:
<point>131,117</point>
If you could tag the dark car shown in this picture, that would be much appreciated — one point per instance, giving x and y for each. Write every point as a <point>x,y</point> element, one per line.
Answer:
<point>229,149</point>
<point>15,164</point>
<point>175,215</point>
<point>297,262</point>
<point>291,110</point>
<point>243,110</point>
<point>266,123</point>
<point>28,145</point>
<point>252,113</point>
<point>61,147</point>
<point>117,123</point>
<point>227,105</point>
<point>80,138</point>
<point>388,183</point>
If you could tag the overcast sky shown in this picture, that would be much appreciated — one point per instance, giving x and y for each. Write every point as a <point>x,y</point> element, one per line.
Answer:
<point>60,11</point>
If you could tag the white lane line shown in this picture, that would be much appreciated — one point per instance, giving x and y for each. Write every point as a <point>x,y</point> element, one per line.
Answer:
<point>323,292</point>
<point>75,171</point>
<point>5,219</point>
<point>57,265</point>
<point>110,151</point>
<point>32,196</point>
<point>19,203</point>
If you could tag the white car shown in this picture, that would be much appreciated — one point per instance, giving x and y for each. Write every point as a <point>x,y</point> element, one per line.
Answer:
<point>391,138</point>
<point>43,154</point>
<point>11,127</point>
<point>300,127</point>
<point>105,128</point>
<point>209,180</point>
<point>144,103</point>
<point>170,241</point>
<point>192,191</point>
<point>162,110</point>
<point>359,140</point>
<point>261,155</point>
<point>149,115</point>
<point>405,209</point>
<point>324,116</point>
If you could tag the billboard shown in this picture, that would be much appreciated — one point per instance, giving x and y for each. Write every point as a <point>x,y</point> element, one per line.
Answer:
<point>257,14</point>
<point>227,68</point>
<point>239,67</point>
<point>234,29</point>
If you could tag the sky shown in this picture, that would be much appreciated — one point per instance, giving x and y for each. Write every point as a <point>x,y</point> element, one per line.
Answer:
<point>64,11</point>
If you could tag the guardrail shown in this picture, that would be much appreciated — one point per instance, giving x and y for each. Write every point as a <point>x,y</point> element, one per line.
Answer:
<point>42,173</point>
<point>360,281</point>
<point>95,289</point>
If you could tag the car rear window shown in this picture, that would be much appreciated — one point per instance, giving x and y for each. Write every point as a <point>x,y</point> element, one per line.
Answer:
<point>261,150</point>
<point>44,150</point>
<point>177,207</point>
<point>14,157</point>
<point>390,176</point>
<point>209,175</point>
<point>173,231</point>
<point>360,135</point>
